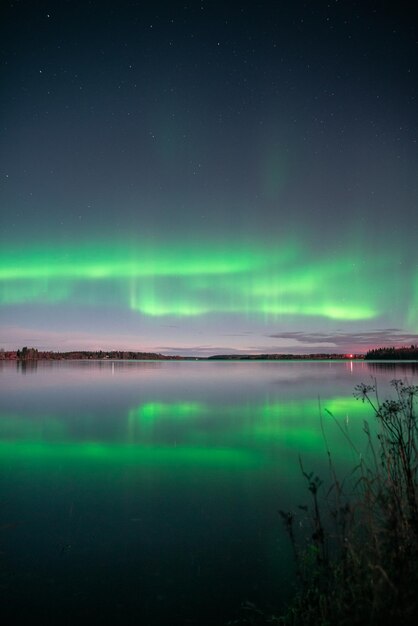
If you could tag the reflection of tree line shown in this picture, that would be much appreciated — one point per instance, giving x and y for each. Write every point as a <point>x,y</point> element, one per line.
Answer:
<point>27,366</point>
<point>393,365</point>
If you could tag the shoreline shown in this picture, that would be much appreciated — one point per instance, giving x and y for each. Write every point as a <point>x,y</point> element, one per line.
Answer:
<point>407,355</point>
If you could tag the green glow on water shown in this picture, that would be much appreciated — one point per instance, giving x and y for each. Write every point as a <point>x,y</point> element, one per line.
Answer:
<point>187,434</point>
<point>32,452</point>
<point>236,422</point>
<point>143,418</point>
<point>340,407</point>
<point>158,410</point>
<point>242,426</point>
<point>16,427</point>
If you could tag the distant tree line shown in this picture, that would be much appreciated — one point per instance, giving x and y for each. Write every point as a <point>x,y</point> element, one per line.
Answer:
<point>27,354</point>
<point>33,354</point>
<point>393,354</point>
<point>325,356</point>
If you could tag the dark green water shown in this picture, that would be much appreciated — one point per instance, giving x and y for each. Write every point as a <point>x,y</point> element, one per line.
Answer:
<point>147,492</point>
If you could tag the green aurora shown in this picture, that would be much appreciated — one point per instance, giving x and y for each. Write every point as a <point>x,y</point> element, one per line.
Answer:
<point>188,193</point>
<point>196,281</point>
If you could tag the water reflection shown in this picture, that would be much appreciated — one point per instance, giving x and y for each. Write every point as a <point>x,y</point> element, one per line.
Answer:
<point>27,367</point>
<point>397,368</point>
<point>250,426</point>
<point>166,476</point>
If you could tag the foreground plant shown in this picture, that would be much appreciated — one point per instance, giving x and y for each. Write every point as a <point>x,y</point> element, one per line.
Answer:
<point>360,562</point>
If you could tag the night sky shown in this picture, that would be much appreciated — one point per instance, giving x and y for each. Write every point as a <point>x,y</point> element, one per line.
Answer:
<point>205,177</point>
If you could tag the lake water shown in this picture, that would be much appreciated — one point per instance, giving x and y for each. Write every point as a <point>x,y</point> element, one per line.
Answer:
<point>148,492</point>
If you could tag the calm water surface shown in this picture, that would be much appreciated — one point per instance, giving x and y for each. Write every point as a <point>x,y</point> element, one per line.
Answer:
<point>147,492</point>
